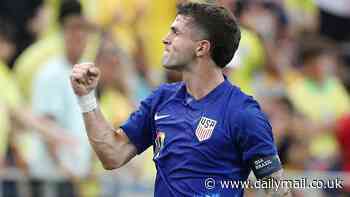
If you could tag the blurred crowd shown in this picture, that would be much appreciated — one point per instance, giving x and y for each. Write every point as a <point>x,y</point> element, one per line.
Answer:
<point>294,58</point>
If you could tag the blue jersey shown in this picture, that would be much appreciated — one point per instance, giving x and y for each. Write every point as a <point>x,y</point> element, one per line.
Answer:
<point>216,137</point>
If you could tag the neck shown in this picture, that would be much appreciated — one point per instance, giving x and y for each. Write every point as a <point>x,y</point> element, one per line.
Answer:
<point>202,78</point>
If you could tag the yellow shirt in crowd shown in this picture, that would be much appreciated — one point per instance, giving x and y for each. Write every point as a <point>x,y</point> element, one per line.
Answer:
<point>30,61</point>
<point>9,97</point>
<point>252,58</point>
<point>320,104</point>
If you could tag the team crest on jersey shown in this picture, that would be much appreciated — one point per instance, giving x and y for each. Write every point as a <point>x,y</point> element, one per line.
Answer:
<point>205,128</point>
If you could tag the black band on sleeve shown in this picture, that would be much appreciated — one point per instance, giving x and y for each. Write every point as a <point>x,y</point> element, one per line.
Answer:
<point>265,166</point>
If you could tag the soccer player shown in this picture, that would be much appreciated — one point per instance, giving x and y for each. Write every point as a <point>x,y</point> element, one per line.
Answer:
<point>203,130</point>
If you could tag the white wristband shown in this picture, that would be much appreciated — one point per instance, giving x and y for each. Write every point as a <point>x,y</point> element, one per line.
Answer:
<point>87,102</point>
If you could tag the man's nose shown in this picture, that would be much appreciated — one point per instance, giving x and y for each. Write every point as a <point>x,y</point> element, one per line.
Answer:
<point>166,40</point>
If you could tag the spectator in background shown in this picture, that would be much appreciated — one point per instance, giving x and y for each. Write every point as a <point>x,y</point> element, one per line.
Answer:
<point>268,60</point>
<point>10,99</point>
<point>53,99</point>
<point>10,102</point>
<point>116,104</point>
<point>270,22</point>
<point>7,44</point>
<point>303,15</point>
<point>143,71</point>
<point>290,130</point>
<point>20,13</point>
<point>250,57</point>
<point>9,95</point>
<point>320,97</point>
<point>113,89</point>
<point>13,115</point>
<point>125,21</point>
<point>334,23</point>
<point>48,42</point>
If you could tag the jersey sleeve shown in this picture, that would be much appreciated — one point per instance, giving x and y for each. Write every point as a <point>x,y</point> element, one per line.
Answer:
<point>255,140</point>
<point>139,125</point>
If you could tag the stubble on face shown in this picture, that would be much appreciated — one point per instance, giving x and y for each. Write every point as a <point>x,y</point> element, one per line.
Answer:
<point>179,50</point>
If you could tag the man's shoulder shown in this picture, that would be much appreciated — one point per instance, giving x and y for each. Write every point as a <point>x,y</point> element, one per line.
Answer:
<point>240,99</point>
<point>241,104</point>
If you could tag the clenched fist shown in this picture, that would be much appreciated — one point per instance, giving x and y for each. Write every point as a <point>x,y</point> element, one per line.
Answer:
<point>84,78</point>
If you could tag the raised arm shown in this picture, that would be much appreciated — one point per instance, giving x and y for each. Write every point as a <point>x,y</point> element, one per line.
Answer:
<point>112,146</point>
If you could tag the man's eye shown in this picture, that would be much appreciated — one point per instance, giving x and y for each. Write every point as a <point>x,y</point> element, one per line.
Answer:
<point>174,31</point>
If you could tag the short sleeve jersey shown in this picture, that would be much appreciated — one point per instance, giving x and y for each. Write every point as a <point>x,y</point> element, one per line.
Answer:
<point>216,137</point>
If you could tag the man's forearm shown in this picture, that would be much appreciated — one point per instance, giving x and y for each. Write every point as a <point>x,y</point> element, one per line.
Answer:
<point>111,146</point>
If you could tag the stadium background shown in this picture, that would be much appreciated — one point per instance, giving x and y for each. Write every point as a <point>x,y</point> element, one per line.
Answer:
<point>294,57</point>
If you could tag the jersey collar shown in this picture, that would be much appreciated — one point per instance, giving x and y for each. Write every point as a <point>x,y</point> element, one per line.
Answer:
<point>190,101</point>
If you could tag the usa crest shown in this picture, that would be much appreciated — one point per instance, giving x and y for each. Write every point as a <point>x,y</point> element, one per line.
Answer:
<point>205,128</point>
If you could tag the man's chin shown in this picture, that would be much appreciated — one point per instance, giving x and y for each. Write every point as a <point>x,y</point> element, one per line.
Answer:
<point>172,67</point>
<point>167,66</point>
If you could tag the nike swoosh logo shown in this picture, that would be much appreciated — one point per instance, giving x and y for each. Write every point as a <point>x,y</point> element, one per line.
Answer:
<point>157,117</point>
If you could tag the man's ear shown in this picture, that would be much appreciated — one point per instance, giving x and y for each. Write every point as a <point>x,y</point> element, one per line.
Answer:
<point>203,48</point>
